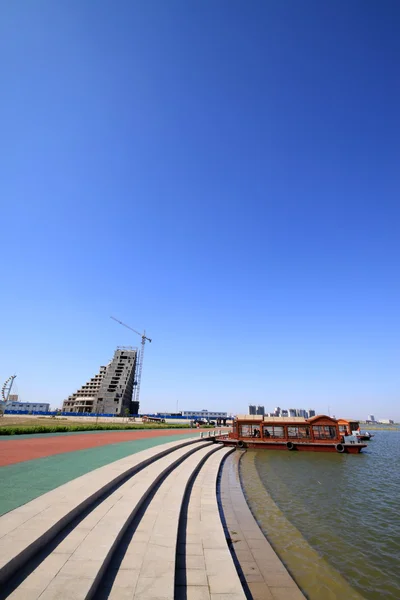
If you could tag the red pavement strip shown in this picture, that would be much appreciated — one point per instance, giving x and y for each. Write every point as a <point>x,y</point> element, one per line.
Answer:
<point>15,451</point>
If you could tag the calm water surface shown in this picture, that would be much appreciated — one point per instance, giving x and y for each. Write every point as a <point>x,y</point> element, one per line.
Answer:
<point>334,519</point>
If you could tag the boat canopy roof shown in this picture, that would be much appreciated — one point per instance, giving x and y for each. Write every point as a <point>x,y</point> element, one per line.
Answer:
<point>277,420</point>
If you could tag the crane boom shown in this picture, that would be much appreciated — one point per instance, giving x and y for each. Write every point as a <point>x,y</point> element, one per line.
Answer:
<point>131,328</point>
<point>139,367</point>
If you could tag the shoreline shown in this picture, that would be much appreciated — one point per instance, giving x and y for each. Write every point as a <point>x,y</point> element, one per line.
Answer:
<point>261,571</point>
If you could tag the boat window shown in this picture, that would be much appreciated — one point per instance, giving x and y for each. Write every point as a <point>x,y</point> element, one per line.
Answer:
<point>342,428</point>
<point>250,430</point>
<point>299,432</point>
<point>324,432</point>
<point>273,431</point>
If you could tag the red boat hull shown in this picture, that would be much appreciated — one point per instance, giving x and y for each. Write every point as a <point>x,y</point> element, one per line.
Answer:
<point>299,447</point>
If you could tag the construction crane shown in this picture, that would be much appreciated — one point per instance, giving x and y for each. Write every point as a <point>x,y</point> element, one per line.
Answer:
<point>140,358</point>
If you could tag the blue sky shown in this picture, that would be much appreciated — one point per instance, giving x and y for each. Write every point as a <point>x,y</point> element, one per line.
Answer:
<point>224,174</point>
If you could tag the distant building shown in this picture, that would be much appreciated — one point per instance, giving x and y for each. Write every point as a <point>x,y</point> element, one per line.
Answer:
<point>386,421</point>
<point>204,414</point>
<point>252,409</point>
<point>13,398</point>
<point>25,406</point>
<point>371,419</point>
<point>260,410</point>
<point>111,390</point>
<point>292,412</point>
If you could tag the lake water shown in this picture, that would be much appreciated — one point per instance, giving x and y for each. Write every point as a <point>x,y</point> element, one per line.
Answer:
<point>334,519</point>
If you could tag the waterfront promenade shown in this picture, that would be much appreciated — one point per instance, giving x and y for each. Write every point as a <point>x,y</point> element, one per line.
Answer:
<point>153,524</point>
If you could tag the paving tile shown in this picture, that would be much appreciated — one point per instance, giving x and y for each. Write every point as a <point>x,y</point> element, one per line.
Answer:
<point>227,597</point>
<point>257,577</point>
<point>195,562</point>
<point>260,591</point>
<point>127,579</point>
<point>71,542</point>
<point>212,555</point>
<point>148,588</point>
<point>256,544</point>
<point>240,545</point>
<point>250,568</point>
<point>196,577</point>
<point>120,593</point>
<point>244,555</point>
<point>156,568</point>
<point>224,583</point>
<point>67,588</point>
<point>196,593</point>
<point>21,594</point>
<point>81,569</point>
<point>131,561</point>
<point>194,549</point>
<point>40,578</point>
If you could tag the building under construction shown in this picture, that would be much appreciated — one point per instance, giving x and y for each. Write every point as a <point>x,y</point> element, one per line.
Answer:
<point>111,391</point>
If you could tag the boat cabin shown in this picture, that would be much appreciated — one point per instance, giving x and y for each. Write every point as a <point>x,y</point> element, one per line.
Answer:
<point>346,427</point>
<point>285,429</point>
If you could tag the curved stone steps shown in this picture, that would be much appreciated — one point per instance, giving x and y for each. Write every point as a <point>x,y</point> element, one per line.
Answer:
<point>205,565</point>
<point>76,565</point>
<point>127,542</point>
<point>27,529</point>
<point>147,568</point>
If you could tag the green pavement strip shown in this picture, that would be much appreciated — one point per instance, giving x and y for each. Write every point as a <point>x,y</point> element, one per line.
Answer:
<point>27,480</point>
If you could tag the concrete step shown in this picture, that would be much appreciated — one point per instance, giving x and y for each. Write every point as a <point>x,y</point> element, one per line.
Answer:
<point>76,565</point>
<point>145,568</point>
<point>205,566</point>
<point>27,529</point>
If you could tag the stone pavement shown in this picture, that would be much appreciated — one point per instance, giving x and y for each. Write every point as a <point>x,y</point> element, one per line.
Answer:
<point>206,570</point>
<point>146,569</point>
<point>263,572</point>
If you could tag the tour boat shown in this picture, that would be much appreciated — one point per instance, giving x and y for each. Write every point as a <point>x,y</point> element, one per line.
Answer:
<point>316,434</point>
<point>352,427</point>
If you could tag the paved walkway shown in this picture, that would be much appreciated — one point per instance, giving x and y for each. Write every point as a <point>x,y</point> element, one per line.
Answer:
<point>18,450</point>
<point>24,481</point>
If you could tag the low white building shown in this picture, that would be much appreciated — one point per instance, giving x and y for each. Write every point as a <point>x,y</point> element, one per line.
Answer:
<point>25,406</point>
<point>204,414</point>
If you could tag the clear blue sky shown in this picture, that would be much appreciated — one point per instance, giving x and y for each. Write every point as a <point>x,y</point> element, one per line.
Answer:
<point>224,174</point>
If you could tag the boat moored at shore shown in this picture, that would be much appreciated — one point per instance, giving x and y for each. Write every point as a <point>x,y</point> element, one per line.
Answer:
<point>316,434</point>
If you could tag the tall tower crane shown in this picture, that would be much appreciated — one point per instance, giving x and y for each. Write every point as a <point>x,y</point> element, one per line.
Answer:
<point>140,358</point>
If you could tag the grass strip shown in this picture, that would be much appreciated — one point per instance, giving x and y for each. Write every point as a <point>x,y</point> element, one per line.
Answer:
<point>99,427</point>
